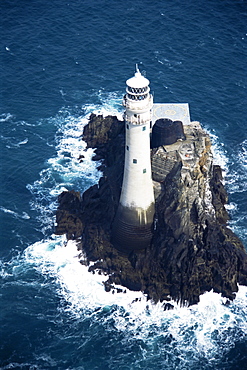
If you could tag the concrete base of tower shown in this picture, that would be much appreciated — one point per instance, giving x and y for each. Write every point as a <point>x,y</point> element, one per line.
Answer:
<point>132,228</point>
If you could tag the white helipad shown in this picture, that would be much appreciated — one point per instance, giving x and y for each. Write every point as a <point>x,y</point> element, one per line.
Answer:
<point>173,111</point>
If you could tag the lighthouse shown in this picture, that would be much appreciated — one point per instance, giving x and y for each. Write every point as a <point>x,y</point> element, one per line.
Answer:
<point>132,227</point>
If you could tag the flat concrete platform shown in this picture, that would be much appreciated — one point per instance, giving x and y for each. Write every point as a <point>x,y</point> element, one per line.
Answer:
<point>173,111</point>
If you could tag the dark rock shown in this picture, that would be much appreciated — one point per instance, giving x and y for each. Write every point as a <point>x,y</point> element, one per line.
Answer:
<point>100,130</point>
<point>81,157</point>
<point>168,306</point>
<point>68,215</point>
<point>192,250</point>
<point>219,195</point>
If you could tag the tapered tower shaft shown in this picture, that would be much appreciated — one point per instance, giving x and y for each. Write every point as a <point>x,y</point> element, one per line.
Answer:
<point>134,218</point>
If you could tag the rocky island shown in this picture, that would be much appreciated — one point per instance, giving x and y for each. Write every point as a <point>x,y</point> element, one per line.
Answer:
<point>156,222</point>
<point>192,249</point>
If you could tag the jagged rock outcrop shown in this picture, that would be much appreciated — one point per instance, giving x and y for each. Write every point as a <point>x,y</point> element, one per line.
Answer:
<point>192,250</point>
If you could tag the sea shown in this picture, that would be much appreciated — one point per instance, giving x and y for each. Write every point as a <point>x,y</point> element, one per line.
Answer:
<point>60,61</point>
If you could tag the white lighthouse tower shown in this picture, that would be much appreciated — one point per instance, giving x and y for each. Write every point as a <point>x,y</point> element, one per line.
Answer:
<point>132,228</point>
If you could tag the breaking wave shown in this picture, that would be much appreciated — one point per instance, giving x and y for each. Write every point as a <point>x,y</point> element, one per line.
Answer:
<point>180,338</point>
<point>202,333</point>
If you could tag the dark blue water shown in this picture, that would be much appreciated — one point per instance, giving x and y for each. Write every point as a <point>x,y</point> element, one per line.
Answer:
<point>60,61</point>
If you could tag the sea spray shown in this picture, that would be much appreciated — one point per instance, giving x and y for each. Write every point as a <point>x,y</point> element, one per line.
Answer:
<point>202,333</point>
<point>201,330</point>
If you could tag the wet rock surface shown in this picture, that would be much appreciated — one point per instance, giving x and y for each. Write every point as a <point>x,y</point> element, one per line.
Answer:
<point>192,250</point>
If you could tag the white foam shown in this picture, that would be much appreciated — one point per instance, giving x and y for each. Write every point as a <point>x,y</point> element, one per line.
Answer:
<point>238,174</point>
<point>5,117</point>
<point>17,145</point>
<point>80,288</point>
<point>218,150</point>
<point>25,141</point>
<point>71,166</point>
<point>202,328</point>
<point>234,169</point>
<point>24,215</point>
<point>234,175</point>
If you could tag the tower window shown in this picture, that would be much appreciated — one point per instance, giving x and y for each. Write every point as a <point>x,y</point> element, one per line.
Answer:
<point>144,171</point>
<point>127,126</point>
<point>144,128</point>
<point>127,147</point>
<point>134,160</point>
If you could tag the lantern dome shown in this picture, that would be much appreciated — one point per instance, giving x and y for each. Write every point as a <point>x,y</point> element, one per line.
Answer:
<point>138,80</point>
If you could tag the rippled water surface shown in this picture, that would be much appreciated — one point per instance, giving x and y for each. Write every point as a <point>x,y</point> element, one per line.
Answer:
<point>61,61</point>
